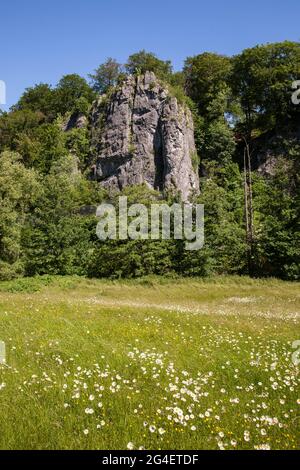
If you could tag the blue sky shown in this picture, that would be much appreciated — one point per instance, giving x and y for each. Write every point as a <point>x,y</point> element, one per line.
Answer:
<point>43,40</point>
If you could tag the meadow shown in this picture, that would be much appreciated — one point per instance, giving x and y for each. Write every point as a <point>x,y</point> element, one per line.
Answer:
<point>153,363</point>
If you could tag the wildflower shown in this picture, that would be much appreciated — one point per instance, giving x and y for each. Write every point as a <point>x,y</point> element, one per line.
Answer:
<point>130,446</point>
<point>234,400</point>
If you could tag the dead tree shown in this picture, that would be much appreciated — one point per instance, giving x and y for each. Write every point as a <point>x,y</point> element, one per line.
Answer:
<point>249,214</point>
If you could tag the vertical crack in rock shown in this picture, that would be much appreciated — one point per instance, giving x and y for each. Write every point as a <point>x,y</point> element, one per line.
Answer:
<point>159,161</point>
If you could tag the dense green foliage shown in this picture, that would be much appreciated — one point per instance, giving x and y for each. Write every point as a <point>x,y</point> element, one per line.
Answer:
<point>46,221</point>
<point>18,189</point>
<point>106,75</point>
<point>143,61</point>
<point>262,78</point>
<point>72,94</point>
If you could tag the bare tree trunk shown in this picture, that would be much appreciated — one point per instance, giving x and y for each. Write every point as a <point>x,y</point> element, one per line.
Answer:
<point>246,194</point>
<point>251,221</point>
<point>248,204</point>
<point>246,197</point>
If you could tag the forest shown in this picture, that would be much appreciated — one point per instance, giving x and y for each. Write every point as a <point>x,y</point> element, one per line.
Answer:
<point>247,132</point>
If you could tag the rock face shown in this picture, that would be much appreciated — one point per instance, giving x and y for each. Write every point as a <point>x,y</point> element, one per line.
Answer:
<point>271,148</point>
<point>76,121</point>
<point>141,134</point>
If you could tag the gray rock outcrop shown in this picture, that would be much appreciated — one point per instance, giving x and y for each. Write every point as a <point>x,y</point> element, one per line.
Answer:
<point>141,134</point>
<point>75,121</point>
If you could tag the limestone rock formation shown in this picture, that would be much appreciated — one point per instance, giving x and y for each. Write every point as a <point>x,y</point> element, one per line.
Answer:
<point>141,134</point>
<point>75,121</point>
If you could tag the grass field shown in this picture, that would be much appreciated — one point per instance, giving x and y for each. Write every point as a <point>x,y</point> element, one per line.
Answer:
<point>154,364</point>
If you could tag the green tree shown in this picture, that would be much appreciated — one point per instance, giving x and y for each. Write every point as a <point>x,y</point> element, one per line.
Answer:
<point>43,146</point>
<point>69,93</point>
<point>277,218</point>
<point>18,189</point>
<point>77,142</point>
<point>143,61</point>
<point>206,75</point>
<point>39,98</point>
<point>262,79</point>
<point>206,83</point>
<point>225,237</point>
<point>218,143</point>
<point>15,124</point>
<point>106,75</point>
<point>133,258</point>
<point>58,236</point>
